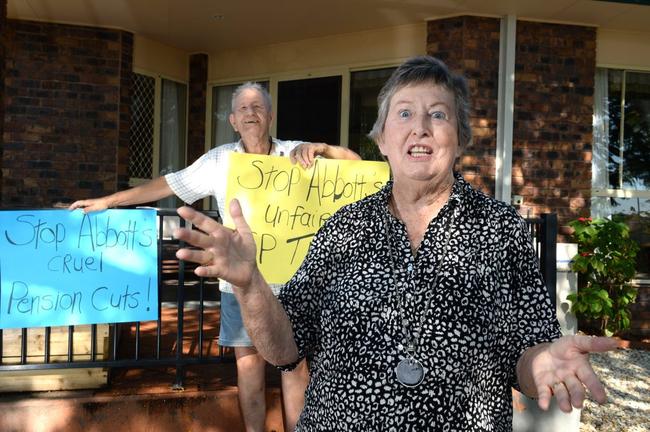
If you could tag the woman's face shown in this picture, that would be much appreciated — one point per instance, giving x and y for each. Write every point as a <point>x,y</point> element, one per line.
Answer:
<point>420,137</point>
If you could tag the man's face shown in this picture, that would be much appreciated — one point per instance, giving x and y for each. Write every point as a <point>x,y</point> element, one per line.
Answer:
<point>251,118</point>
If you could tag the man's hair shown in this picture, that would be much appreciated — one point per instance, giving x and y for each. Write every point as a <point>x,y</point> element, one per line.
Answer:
<point>423,70</point>
<point>251,86</point>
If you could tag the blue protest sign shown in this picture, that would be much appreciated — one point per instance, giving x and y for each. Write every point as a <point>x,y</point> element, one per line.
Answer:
<point>61,267</point>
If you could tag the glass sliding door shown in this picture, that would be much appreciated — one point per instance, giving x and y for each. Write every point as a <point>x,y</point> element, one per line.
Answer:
<point>364,88</point>
<point>310,109</point>
<point>173,128</point>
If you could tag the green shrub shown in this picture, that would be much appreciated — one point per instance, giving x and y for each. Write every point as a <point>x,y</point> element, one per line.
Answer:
<point>605,264</point>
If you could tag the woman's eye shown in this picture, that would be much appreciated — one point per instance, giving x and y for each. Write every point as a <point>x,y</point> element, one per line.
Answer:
<point>405,114</point>
<point>439,115</point>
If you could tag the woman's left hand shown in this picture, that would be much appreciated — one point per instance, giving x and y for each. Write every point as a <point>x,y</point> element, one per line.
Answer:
<point>221,252</point>
<point>562,369</point>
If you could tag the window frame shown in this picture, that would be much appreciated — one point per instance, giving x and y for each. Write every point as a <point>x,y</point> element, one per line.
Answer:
<point>157,112</point>
<point>606,192</point>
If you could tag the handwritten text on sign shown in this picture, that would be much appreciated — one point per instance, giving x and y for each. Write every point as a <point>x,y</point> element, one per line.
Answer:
<point>59,267</point>
<point>285,204</point>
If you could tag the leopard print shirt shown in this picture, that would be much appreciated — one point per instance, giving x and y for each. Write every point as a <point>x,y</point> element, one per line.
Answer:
<point>488,305</point>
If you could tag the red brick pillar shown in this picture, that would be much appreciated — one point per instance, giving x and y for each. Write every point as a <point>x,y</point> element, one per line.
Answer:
<point>197,106</point>
<point>554,85</point>
<point>196,109</point>
<point>3,27</point>
<point>66,126</point>
<point>470,46</point>
<point>126,101</point>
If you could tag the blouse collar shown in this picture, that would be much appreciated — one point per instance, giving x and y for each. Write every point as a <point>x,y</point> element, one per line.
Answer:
<point>455,198</point>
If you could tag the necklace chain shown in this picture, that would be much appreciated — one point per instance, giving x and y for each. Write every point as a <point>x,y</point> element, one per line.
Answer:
<point>268,153</point>
<point>410,341</point>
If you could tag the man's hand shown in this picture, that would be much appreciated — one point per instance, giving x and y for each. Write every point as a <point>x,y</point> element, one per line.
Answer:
<point>91,205</point>
<point>306,153</point>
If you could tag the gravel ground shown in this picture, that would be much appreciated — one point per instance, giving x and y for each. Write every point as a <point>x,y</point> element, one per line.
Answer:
<point>626,375</point>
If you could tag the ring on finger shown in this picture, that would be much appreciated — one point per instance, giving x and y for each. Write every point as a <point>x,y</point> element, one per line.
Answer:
<point>557,385</point>
<point>208,261</point>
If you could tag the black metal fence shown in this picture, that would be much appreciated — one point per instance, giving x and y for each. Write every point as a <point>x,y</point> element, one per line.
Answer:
<point>187,317</point>
<point>544,234</point>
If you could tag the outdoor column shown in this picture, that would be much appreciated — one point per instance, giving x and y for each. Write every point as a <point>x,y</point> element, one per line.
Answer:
<point>66,112</point>
<point>125,113</point>
<point>506,108</point>
<point>196,141</point>
<point>3,29</point>
<point>197,106</point>
<point>554,88</point>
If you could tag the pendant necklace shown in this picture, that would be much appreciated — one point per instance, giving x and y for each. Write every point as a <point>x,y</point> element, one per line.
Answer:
<point>410,371</point>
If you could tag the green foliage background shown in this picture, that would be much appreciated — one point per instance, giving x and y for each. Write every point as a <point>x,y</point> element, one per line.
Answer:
<point>605,264</point>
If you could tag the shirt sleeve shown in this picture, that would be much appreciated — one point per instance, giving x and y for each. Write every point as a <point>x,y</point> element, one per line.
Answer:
<point>534,319</point>
<point>302,297</point>
<point>285,147</point>
<point>198,180</point>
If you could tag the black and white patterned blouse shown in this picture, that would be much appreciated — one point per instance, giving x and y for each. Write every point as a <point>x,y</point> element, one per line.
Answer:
<point>489,305</point>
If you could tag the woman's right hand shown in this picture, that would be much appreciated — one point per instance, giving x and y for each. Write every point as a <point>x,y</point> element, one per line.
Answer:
<point>222,252</point>
<point>91,205</point>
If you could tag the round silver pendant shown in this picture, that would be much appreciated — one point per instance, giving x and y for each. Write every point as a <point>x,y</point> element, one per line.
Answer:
<point>409,372</point>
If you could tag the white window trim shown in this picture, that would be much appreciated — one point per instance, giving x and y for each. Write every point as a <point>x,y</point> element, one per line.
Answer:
<point>598,153</point>
<point>620,193</point>
<point>155,160</point>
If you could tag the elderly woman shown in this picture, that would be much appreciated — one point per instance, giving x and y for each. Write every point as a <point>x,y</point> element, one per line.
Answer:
<point>419,306</point>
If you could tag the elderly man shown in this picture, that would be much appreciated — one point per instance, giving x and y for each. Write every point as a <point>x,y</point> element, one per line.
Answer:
<point>251,117</point>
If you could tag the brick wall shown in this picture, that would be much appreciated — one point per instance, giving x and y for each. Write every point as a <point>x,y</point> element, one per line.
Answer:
<point>126,90</point>
<point>3,30</point>
<point>470,46</point>
<point>640,310</point>
<point>554,72</point>
<point>196,110</point>
<point>66,112</point>
<point>554,81</point>
<point>197,106</point>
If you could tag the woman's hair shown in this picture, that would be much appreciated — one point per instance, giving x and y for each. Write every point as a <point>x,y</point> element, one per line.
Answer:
<point>251,86</point>
<point>419,70</point>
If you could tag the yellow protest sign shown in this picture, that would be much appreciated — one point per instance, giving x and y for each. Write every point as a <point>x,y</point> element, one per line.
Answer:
<point>286,204</point>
